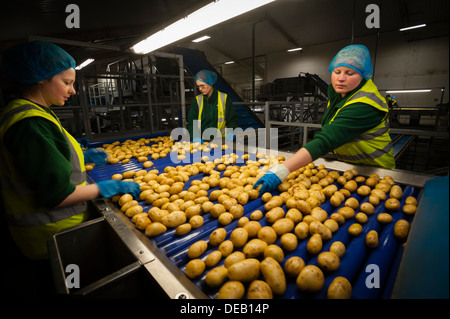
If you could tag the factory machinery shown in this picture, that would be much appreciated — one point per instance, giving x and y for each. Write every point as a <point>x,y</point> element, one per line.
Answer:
<point>118,260</point>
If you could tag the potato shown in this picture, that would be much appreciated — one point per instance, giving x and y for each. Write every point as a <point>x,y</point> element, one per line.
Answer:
<point>288,241</point>
<point>372,239</point>
<point>379,193</point>
<point>267,234</point>
<point>384,218</point>
<point>361,218</point>
<point>233,258</point>
<point>274,276</point>
<point>231,290</point>
<point>351,185</point>
<point>239,237</point>
<point>225,219</point>
<point>275,201</point>
<point>401,229</point>
<point>141,221</point>
<point>124,199</point>
<point>367,208</point>
<point>310,279</point>
<point>409,209</point>
<point>213,258</point>
<point>331,224</point>
<point>363,190</point>
<point>254,248</point>
<point>246,270</point>
<point>216,276</point>
<point>194,268</point>
<point>197,249</point>
<point>316,227</point>
<point>295,215</point>
<point>252,228</point>
<point>301,230</point>
<point>352,202</point>
<point>374,199</point>
<point>346,212</point>
<point>259,289</point>
<point>196,221</point>
<point>128,205</point>
<point>338,248</point>
<point>133,210</point>
<point>392,204</point>
<point>117,177</point>
<point>217,236</point>
<point>217,210</point>
<point>396,192</point>
<point>237,211</point>
<point>174,219</point>
<point>266,197</point>
<point>328,261</point>
<point>256,215</point>
<point>340,288</point>
<point>206,206</point>
<point>274,214</point>
<point>128,174</point>
<point>283,225</point>
<point>226,248</point>
<point>355,229</point>
<point>155,229</point>
<point>293,266</point>
<point>275,252</point>
<point>410,200</point>
<point>314,244</point>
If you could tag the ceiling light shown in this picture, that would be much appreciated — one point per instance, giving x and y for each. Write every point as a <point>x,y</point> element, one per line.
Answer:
<point>293,50</point>
<point>203,38</point>
<point>410,91</point>
<point>229,62</point>
<point>208,16</point>
<point>414,27</point>
<point>82,65</point>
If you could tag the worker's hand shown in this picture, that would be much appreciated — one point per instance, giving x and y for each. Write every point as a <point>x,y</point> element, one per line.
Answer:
<point>229,136</point>
<point>269,182</point>
<point>197,140</point>
<point>95,155</point>
<point>84,142</point>
<point>114,187</point>
<point>272,178</point>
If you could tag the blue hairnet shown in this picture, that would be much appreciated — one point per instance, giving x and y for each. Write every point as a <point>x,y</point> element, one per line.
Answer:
<point>30,62</point>
<point>207,76</point>
<point>356,57</point>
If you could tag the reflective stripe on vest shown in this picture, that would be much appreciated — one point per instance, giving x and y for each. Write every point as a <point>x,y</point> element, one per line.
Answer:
<point>221,105</point>
<point>374,147</point>
<point>18,197</point>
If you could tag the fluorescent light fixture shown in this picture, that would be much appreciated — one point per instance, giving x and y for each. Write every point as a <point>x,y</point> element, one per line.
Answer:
<point>203,38</point>
<point>229,62</point>
<point>293,50</point>
<point>82,65</point>
<point>414,27</point>
<point>208,16</point>
<point>410,91</point>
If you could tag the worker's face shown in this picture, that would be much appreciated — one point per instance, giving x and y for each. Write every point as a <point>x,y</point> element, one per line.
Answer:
<point>204,88</point>
<point>58,89</point>
<point>345,80</point>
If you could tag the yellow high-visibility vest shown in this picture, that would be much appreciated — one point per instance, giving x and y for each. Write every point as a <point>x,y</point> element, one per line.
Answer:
<point>30,226</point>
<point>221,105</point>
<point>374,147</point>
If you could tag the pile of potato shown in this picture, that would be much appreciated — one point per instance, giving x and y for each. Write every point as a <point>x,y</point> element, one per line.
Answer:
<point>251,258</point>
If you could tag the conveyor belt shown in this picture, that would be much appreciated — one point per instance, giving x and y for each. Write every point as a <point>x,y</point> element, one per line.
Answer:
<point>353,264</point>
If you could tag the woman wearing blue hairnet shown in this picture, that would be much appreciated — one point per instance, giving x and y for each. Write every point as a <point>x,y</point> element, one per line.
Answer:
<point>210,109</point>
<point>42,171</point>
<point>355,125</point>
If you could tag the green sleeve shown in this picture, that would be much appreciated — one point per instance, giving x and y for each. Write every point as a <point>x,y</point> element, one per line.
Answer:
<point>42,155</point>
<point>349,124</point>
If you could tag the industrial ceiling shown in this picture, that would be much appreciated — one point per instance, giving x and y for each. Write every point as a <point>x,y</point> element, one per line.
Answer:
<point>278,26</point>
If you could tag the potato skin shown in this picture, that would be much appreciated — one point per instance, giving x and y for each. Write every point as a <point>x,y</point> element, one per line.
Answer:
<point>155,229</point>
<point>310,279</point>
<point>338,248</point>
<point>194,268</point>
<point>340,288</point>
<point>314,244</point>
<point>273,275</point>
<point>293,266</point>
<point>328,261</point>
<point>259,289</point>
<point>372,239</point>
<point>254,248</point>
<point>246,270</point>
<point>217,236</point>
<point>216,276</point>
<point>231,290</point>
<point>401,229</point>
<point>197,249</point>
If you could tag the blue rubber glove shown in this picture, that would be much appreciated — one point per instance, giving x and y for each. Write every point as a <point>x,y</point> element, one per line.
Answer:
<point>197,139</point>
<point>84,142</point>
<point>95,155</point>
<point>113,187</point>
<point>230,136</point>
<point>269,182</point>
